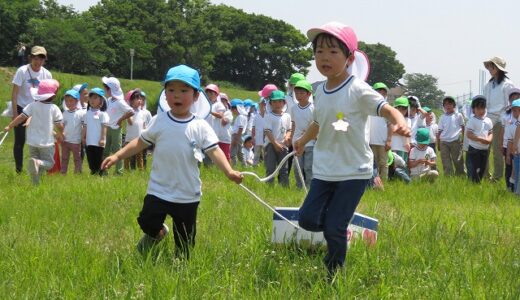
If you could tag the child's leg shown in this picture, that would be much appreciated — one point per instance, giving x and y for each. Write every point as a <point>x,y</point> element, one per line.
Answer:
<point>270,161</point>
<point>151,219</point>
<point>508,171</point>
<point>226,149</point>
<point>516,173</point>
<point>296,171</point>
<point>456,154</point>
<point>446,159</point>
<point>307,164</point>
<point>283,175</point>
<point>476,166</point>
<point>46,158</point>
<point>483,156</point>
<point>314,207</point>
<point>258,154</point>
<point>97,159</point>
<point>184,227</point>
<point>65,155</point>
<point>76,154</point>
<point>139,161</point>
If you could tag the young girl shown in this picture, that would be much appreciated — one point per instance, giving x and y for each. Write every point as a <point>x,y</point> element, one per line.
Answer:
<point>94,133</point>
<point>179,138</point>
<point>480,135</point>
<point>139,122</point>
<point>401,144</point>
<point>71,143</point>
<point>343,162</point>
<point>238,128</point>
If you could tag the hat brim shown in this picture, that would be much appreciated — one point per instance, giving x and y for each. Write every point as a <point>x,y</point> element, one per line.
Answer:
<point>497,66</point>
<point>42,97</point>
<point>200,108</point>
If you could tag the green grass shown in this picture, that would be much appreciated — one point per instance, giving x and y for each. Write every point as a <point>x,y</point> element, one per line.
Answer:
<point>74,236</point>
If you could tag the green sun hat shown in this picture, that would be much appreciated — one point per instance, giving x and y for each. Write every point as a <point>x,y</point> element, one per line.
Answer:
<point>304,84</point>
<point>427,109</point>
<point>379,86</point>
<point>401,101</point>
<point>390,160</point>
<point>295,78</point>
<point>423,136</point>
<point>277,96</point>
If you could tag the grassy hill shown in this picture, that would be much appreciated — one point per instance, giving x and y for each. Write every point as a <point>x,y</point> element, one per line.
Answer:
<point>74,236</point>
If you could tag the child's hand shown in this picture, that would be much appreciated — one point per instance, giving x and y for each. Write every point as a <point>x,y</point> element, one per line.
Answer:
<point>6,129</point>
<point>233,175</point>
<point>298,148</point>
<point>102,143</point>
<point>108,162</point>
<point>278,147</point>
<point>402,129</point>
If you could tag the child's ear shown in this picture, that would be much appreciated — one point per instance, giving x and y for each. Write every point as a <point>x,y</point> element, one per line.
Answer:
<point>196,96</point>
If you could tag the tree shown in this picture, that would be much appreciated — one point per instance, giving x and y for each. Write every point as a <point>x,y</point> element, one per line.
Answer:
<point>424,86</point>
<point>257,49</point>
<point>384,66</point>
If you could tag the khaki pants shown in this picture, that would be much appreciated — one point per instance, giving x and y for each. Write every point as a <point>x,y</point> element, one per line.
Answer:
<point>451,156</point>
<point>381,159</point>
<point>430,175</point>
<point>498,157</point>
<point>113,144</point>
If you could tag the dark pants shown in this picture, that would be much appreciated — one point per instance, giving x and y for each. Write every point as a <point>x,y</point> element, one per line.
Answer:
<point>478,163</point>
<point>19,142</point>
<point>508,171</point>
<point>271,161</point>
<point>95,158</point>
<point>329,207</point>
<point>184,215</point>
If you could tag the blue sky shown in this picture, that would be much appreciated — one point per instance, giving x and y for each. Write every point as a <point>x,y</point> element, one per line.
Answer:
<point>445,38</point>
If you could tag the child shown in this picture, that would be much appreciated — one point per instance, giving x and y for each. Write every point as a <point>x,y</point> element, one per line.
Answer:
<point>249,106</point>
<point>258,132</point>
<point>72,132</point>
<point>397,167</point>
<point>449,137</point>
<point>509,120</point>
<point>94,132</point>
<point>138,122</point>
<point>416,115</point>
<point>290,99</point>
<point>431,126</point>
<point>277,131</point>
<point>44,117</point>
<point>238,128</point>
<point>422,157</point>
<point>480,135</point>
<point>380,136</point>
<point>217,112</point>
<point>82,89</point>
<point>118,111</point>
<point>400,143</point>
<point>509,136</point>
<point>179,138</point>
<point>343,161</point>
<point>247,152</point>
<point>301,118</point>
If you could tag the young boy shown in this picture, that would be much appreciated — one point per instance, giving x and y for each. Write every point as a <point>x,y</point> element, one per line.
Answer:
<point>72,119</point>
<point>136,124</point>
<point>480,135</point>
<point>449,137</point>
<point>417,117</point>
<point>179,137</point>
<point>290,99</point>
<point>301,119</point>
<point>258,132</point>
<point>431,126</point>
<point>238,127</point>
<point>400,143</point>
<point>422,157</point>
<point>45,116</point>
<point>118,111</point>
<point>380,136</point>
<point>277,132</point>
<point>247,152</point>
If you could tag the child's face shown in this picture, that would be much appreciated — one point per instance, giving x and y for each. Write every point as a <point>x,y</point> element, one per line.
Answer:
<point>71,103</point>
<point>108,92</point>
<point>84,96</point>
<point>248,144</point>
<point>402,109</point>
<point>212,95</point>
<point>136,102</point>
<point>479,111</point>
<point>449,107</point>
<point>302,95</point>
<point>382,92</point>
<point>413,111</point>
<point>180,97</point>
<point>94,100</point>
<point>277,106</point>
<point>330,60</point>
<point>429,118</point>
<point>516,112</point>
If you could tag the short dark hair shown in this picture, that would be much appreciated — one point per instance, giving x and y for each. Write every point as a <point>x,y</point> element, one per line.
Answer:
<point>479,102</point>
<point>448,99</point>
<point>328,39</point>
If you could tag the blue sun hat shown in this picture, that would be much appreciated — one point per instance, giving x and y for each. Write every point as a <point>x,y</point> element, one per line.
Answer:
<point>98,91</point>
<point>185,74</point>
<point>236,102</point>
<point>73,93</point>
<point>248,103</point>
<point>516,103</point>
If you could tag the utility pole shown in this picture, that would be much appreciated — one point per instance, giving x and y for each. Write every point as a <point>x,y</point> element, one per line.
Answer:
<point>132,53</point>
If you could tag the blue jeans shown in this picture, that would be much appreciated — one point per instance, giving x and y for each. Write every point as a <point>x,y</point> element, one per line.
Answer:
<point>516,169</point>
<point>329,207</point>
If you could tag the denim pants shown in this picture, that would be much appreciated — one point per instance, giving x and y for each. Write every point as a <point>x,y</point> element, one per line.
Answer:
<point>329,207</point>
<point>516,170</point>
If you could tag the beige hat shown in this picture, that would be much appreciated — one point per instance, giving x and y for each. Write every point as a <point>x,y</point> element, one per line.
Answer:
<point>38,50</point>
<point>499,62</point>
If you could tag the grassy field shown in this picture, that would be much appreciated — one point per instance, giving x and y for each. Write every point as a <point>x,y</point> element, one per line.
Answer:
<point>74,237</point>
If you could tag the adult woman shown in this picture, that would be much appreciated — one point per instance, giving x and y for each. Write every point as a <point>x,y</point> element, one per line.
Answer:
<point>496,92</point>
<point>26,77</point>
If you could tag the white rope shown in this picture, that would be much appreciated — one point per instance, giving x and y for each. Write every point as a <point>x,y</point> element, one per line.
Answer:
<point>265,179</point>
<point>5,135</point>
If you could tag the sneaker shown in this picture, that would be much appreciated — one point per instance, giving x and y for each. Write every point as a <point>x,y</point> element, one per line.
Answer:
<point>34,166</point>
<point>147,242</point>
<point>165,230</point>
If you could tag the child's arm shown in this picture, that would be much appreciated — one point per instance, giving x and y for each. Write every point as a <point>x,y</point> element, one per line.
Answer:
<point>509,152</point>
<point>396,118</point>
<point>59,132</point>
<point>514,148</point>
<point>310,134</point>
<point>16,121</point>
<point>389,134</point>
<point>127,115</point>
<point>84,134</point>
<point>291,133</point>
<point>236,137</point>
<point>135,146</point>
<point>103,136</point>
<point>412,163</point>
<point>277,146</point>
<point>218,157</point>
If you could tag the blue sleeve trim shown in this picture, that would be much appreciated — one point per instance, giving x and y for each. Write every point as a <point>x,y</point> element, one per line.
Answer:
<point>145,140</point>
<point>210,147</point>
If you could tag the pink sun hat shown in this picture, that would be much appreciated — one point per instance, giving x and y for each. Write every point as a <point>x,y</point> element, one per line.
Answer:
<point>45,90</point>
<point>361,65</point>
<point>212,87</point>
<point>267,90</point>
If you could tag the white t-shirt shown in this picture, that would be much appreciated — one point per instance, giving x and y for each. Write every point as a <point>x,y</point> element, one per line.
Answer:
<point>509,132</point>
<point>302,118</point>
<point>497,98</point>
<point>259,130</point>
<point>248,155</point>
<point>378,130</point>
<point>44,116</point>
<point>434,128</point>
<point>214,122</point>
<point>340,155</point>
<point>240,121</point>
<point>416,154</point>
<point>278,125</point>
<point>175,175</point>
<point>415,123</point>
<point>450,126</point>
<point>141,119</point>
<point>22,78</point>
<point>224,132</point>
<point>399,142</point>
<point>507,122</point>
<point>94,120</point>
<point>481,128</point>
<point>116,108</point>
<point>250,122</point>
<point>72,122</point>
